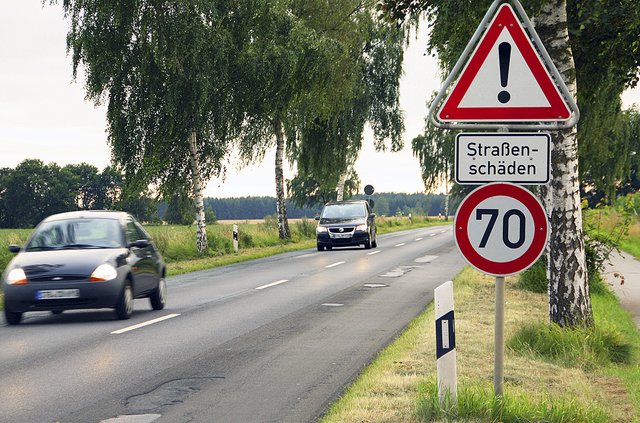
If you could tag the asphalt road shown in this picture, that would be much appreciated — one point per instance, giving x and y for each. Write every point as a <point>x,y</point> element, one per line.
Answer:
<point>271,340</point>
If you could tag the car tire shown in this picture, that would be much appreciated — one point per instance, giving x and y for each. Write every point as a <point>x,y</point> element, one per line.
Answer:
<point>367,245</point>
<point>158,297</point>
<point>374,244</point>
<point>320,247</point>
<point>12,317</point>
<point>124,307</point>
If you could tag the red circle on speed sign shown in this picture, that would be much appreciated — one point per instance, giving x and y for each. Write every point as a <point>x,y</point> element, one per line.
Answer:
<point>501,228</point>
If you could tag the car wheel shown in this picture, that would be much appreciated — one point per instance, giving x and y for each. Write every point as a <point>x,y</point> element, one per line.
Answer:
<point>124,308</point>
<point>158,297</point>
<point>320,247</point>
<point>13,318</point>
<point>374,244</point>
<point>367,244</point>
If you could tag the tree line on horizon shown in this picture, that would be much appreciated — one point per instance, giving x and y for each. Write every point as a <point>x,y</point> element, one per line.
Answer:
<point>34,190</point>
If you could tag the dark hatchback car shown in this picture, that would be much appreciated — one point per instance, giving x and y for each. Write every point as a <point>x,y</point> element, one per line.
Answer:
<point>346,223</point>
<point>84,260</point>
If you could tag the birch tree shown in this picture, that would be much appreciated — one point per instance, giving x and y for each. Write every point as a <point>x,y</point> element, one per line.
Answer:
<point>166,71</point>
<point>606,49</point>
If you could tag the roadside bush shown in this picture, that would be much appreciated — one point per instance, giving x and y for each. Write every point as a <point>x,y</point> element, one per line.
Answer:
<point>534,279</point>
<point>582,347</point>
<point>306,228</point>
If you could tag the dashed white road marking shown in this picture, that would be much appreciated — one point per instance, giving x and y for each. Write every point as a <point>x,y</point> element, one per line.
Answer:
<point>269,285</point>
<point>432,234</point>
<point>400,245</point>
<point>374,253</point>
<point>143,324</point>
<point>335,264</point>
<point>418,239</point>
<point>332,305</point>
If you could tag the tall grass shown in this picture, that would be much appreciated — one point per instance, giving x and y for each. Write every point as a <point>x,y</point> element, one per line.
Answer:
<point>478,403</point>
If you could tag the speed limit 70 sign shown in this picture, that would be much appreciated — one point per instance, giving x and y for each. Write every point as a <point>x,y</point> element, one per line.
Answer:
<point>501,228</point>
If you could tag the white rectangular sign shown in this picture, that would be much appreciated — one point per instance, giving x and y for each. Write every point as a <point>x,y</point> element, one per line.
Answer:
<point>521,158</point>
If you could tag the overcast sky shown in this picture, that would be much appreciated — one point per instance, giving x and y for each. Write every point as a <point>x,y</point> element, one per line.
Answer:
<point>43,113</point>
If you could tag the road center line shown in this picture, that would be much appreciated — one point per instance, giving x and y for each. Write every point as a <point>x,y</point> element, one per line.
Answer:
<point>269,285</point>
<point>373,253</point>
<point>432,234</point>
<point>400,245</point>
<point>143,324</point>
<point>418,239</point>
<point>334,264</point>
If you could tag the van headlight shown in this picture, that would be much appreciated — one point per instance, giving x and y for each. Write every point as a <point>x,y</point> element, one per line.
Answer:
<point>363,227</point>
<point>321,229</point>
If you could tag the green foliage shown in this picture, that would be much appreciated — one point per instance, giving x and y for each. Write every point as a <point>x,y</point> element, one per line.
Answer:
<point>479,403</point>
<point>180,210</point>
<point>583,347</point>
<point>534,279</point>
<point>32,191</point>
<point>166,70</point>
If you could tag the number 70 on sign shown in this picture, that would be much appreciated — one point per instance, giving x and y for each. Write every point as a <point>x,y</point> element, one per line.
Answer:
<point>501,228</point>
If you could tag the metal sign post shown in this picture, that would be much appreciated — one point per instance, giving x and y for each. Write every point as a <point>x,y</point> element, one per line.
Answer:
<point>498,365</point>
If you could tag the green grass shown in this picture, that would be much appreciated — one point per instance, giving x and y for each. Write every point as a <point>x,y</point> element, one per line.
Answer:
<point>478,403</point>
<point>551,375</point>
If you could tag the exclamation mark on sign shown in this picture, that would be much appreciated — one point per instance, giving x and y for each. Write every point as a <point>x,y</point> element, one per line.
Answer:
<point>504,53</point>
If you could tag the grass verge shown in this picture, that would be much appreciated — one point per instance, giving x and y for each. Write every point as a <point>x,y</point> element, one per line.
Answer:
<point>400,385</point>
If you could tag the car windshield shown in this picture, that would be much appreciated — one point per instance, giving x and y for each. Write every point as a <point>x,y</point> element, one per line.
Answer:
<point>76,234</point>
<point>344,211</point>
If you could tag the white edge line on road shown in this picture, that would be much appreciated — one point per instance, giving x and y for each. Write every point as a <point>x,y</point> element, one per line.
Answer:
<point>374,253</point>
<point>269,285</point>
<point>400,245</point>
<point>418,239</point>
<point>334,264</point>
<point>143,324</point>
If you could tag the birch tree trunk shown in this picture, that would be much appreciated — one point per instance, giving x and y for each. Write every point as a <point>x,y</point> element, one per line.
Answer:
<point>281,209</point>
<point>340,187</point>
<point>198,192</point>
<point>569,300</point>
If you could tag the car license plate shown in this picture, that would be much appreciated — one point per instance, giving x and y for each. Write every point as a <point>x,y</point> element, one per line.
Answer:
<point>340,235</point>
<point>57,294</point>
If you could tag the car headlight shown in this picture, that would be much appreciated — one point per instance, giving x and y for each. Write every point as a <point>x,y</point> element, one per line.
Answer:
<point>321,229</point>
<point>104,272</point>
<point>17,277</point>
<point>362,227</point>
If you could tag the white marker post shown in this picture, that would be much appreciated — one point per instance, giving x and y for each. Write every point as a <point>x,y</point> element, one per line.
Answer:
<point>235,238</point>
<point>446,345</point>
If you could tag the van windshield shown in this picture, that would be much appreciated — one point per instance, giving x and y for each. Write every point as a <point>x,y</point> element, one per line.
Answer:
<point>344,211</point>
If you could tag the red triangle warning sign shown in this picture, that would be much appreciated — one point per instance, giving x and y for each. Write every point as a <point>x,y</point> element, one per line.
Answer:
<point>504,79</point>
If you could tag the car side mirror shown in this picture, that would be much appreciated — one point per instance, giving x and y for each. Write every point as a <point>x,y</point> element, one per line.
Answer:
<point>14,248</point>
<point>372,215</point>
<point>317,217</point>
<point>141,243</point>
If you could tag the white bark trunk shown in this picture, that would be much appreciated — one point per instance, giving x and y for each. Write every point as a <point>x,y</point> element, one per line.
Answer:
<point>340,187</point>
<point>281,208</point>
<point>198,191</point>
<point>569,301</point>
